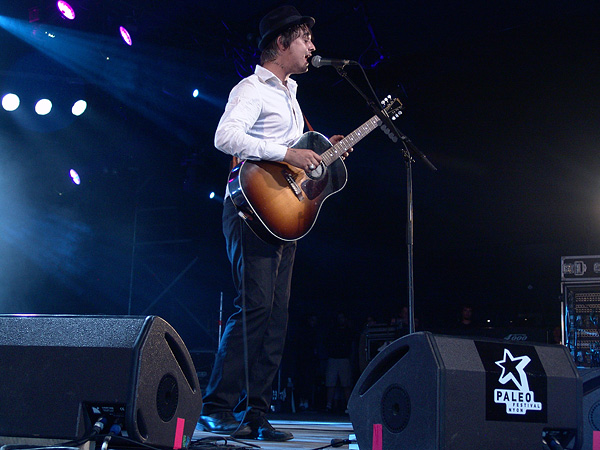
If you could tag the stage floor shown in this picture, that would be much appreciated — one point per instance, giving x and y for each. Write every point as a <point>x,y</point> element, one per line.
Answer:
<point>311,431</point>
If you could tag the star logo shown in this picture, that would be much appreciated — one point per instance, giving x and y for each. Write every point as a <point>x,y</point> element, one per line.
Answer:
<point>518,392</point>
<point>513,370</point>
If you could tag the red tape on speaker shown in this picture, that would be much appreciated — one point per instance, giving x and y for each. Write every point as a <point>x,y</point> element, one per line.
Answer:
<point>177,444</point>
<point>378,437</point>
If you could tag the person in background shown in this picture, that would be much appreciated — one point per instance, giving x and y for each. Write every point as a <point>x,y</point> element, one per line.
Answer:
<point>340,348</point>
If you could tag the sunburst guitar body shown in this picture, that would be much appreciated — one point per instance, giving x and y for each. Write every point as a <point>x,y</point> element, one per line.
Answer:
<point>281,202</point>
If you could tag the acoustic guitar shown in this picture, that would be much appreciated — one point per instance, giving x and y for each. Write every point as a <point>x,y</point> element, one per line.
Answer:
<point>281,202</point>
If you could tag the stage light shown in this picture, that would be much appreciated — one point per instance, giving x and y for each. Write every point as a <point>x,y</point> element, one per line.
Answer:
<point>10,102</point>
<point>75,177</point>
<point>196,93</point>
<point>216,197</point>
<point>125,35</point>
<point>79,107</point>
<point>43,107</point>
<point>65,9</point>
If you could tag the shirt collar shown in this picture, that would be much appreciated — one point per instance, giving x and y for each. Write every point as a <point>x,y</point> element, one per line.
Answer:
<point>266,75</point>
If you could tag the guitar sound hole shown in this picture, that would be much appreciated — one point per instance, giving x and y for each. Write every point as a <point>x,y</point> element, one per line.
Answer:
<point>317,173</point>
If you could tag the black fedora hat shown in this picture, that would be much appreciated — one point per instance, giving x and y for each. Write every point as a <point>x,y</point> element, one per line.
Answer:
<point>278,20</point>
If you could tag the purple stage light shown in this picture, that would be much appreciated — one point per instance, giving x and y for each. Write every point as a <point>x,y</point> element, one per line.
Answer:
<point>65,9</point>
<point>125,35</point>
<point>75,177</point>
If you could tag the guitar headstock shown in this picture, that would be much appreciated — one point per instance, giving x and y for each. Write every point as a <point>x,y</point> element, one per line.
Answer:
<point>392,107</point>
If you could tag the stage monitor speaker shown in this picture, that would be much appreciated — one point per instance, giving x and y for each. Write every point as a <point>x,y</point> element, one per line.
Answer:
<point>433,392</point>
<point>61,374</point>
<point>591,408</point>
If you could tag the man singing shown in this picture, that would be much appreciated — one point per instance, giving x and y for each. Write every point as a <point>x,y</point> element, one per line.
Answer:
<point>262,120</point>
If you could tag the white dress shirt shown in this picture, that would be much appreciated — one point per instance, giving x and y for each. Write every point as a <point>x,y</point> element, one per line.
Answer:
<point>262,118</point>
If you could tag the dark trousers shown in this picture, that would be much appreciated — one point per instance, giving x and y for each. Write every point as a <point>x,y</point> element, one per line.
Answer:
<point>262,275</point>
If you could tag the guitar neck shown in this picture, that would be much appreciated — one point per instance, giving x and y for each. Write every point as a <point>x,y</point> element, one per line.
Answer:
<point>333,153</point>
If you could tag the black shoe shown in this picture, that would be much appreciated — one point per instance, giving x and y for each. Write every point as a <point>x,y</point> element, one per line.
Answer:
<point>261,429</point>
<point>223,423</point>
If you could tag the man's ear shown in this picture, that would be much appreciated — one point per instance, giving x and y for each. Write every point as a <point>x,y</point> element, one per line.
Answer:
<point>280,45</point>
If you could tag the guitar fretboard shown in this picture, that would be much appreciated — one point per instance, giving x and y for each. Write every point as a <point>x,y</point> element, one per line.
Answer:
<point>333,153</point>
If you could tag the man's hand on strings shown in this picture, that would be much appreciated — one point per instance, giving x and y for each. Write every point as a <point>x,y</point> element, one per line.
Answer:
<point>337,138</point>
<point>303,158</point>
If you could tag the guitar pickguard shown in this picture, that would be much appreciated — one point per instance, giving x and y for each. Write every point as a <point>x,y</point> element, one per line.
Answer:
<point>314,188</point>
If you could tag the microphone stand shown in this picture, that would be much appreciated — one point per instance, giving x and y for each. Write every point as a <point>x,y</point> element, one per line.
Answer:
<point>407,148</point>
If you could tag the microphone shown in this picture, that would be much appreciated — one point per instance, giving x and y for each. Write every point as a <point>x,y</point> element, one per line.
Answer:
<point>317,61</point>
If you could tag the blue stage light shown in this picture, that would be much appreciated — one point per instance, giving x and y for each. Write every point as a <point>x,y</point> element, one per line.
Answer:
<point>43,107</point>
<point>79,107</point>
<point>10,102</point>
<point>75,177</point>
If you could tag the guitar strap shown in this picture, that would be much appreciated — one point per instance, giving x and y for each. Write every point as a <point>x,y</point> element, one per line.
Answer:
<point>235,160</point>
<point>310,128</point>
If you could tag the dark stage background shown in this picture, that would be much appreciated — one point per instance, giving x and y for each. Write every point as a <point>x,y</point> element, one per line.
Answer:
<point>502,96</point>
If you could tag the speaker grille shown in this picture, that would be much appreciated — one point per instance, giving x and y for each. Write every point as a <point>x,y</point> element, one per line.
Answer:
<point>594,416</point>
<point>167,397</point>
<point>395,408</point>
